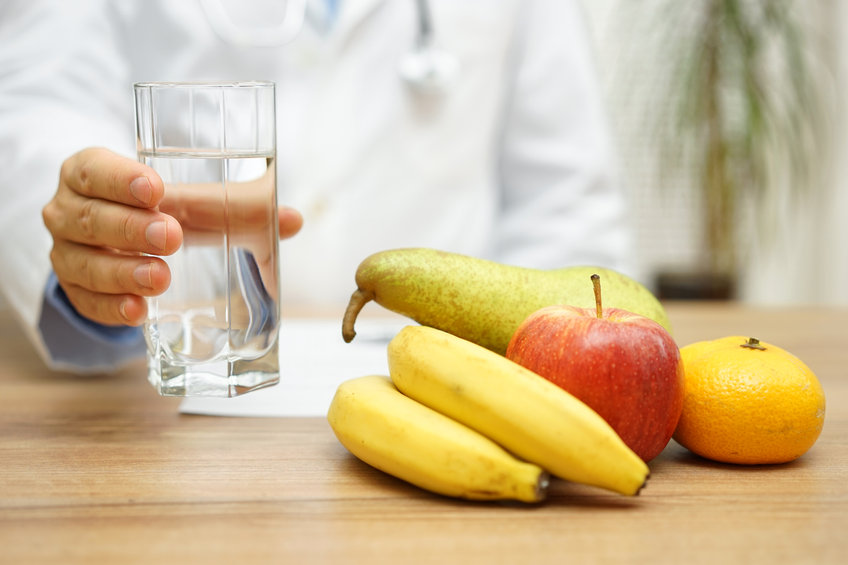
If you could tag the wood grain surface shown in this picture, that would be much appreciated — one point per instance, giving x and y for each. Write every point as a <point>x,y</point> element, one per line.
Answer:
<point>101,470</point>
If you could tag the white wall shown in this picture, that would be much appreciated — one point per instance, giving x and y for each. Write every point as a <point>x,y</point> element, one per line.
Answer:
<point>833,262</point>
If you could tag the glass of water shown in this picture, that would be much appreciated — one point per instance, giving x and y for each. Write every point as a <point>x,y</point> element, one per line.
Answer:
<point>214,332</point>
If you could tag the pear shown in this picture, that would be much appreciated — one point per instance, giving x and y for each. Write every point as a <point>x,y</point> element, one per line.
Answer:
<point>480,300</point>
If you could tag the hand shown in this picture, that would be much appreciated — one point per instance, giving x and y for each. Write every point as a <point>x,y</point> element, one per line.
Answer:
<point>245,216</point>
<point>103,217</point>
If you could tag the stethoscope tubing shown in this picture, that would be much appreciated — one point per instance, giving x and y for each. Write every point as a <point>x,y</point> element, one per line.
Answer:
<point>425,69</point>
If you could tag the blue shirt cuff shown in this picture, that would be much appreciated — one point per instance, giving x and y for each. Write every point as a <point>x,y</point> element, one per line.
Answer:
<point>72,339</point>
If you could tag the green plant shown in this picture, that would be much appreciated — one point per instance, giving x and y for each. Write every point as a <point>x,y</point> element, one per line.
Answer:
<point>736,109</point>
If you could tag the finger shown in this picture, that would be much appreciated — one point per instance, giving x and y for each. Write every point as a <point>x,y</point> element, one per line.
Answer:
<point>109,272</point>
<point>290,222</point>
<point>100,223</point>
<point>109,309</point>
<point>100,173</point>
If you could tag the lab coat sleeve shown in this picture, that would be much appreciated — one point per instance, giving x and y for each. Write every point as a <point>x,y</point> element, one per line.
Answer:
<point>77,342</point>
<point>63,87</point>
<point>562,203</point>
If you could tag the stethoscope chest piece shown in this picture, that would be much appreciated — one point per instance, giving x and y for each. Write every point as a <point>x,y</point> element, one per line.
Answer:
<point>428,70</point>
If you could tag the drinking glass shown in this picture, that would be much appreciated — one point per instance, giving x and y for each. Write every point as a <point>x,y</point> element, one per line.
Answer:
<point>214,332</point>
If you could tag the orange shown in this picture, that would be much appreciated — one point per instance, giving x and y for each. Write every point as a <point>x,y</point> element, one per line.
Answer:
<point>748,402</point>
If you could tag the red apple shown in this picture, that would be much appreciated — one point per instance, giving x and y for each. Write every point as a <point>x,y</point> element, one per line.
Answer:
<point>623,365</point>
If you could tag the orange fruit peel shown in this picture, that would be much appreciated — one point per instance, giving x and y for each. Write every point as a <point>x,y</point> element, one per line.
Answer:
<point>748,402</point>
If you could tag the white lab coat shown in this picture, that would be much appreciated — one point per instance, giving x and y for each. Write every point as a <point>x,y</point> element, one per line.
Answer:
<point>513,162</point>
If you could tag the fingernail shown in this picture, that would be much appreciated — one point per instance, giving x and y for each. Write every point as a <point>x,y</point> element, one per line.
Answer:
<point>157,234</point>
<point>142,191</point>
<point>123,310</point>
<point>143,275</point>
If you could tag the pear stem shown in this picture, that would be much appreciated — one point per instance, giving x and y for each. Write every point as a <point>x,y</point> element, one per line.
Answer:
<point>358,299</point>
<point>596,285</point>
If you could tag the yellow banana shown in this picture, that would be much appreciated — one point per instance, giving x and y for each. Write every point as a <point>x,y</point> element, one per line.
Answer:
<point>410,441</point>
<point>526,414</point>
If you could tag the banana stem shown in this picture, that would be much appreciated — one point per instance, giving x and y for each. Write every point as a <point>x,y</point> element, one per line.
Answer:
<point>596,285</point>
<point>358,299</point>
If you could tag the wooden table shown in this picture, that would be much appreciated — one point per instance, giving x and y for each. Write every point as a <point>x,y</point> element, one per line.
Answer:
<point>101,470</point>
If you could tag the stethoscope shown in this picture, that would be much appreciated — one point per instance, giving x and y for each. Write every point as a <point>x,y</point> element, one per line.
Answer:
<point>426,68</point>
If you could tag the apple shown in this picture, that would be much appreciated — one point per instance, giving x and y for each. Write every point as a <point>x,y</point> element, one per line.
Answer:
<point>623,365</point>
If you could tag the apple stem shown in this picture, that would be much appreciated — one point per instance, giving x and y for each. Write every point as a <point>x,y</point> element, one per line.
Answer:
<point>596,285</point>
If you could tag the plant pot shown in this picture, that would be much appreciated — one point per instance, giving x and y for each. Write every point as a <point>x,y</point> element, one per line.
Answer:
<point>695,285</point>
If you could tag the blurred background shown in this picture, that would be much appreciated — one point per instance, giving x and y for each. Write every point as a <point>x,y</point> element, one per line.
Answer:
<point>731,131</point>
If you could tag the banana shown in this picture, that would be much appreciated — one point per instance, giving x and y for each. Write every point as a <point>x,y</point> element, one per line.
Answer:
<point>528,415</point>
<point>410,441</point>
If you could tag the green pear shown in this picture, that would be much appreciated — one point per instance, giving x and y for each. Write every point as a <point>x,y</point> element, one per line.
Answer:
<point>483,301</point>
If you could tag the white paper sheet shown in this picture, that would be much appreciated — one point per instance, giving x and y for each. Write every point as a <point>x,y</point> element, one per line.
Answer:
<point>313,361</point>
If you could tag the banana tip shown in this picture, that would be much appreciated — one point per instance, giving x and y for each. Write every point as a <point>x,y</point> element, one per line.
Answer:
<point>542,486</point>
<point>643,485</point>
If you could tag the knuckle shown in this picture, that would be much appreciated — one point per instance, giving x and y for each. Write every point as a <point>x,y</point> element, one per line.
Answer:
<point>126,228</point>
<point>55,260</point>
<point>98,309</point>
<point>87,219</point>
<point>121,277</point>
<point>56,257</point>
<point>86,276</point>
<point>115,184</point>
<point>103,309</point>
<point>93,306</point>
<point>50,216</point>
<point>84,178</point>
<point>66,169</point>
<point>77,172</point>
